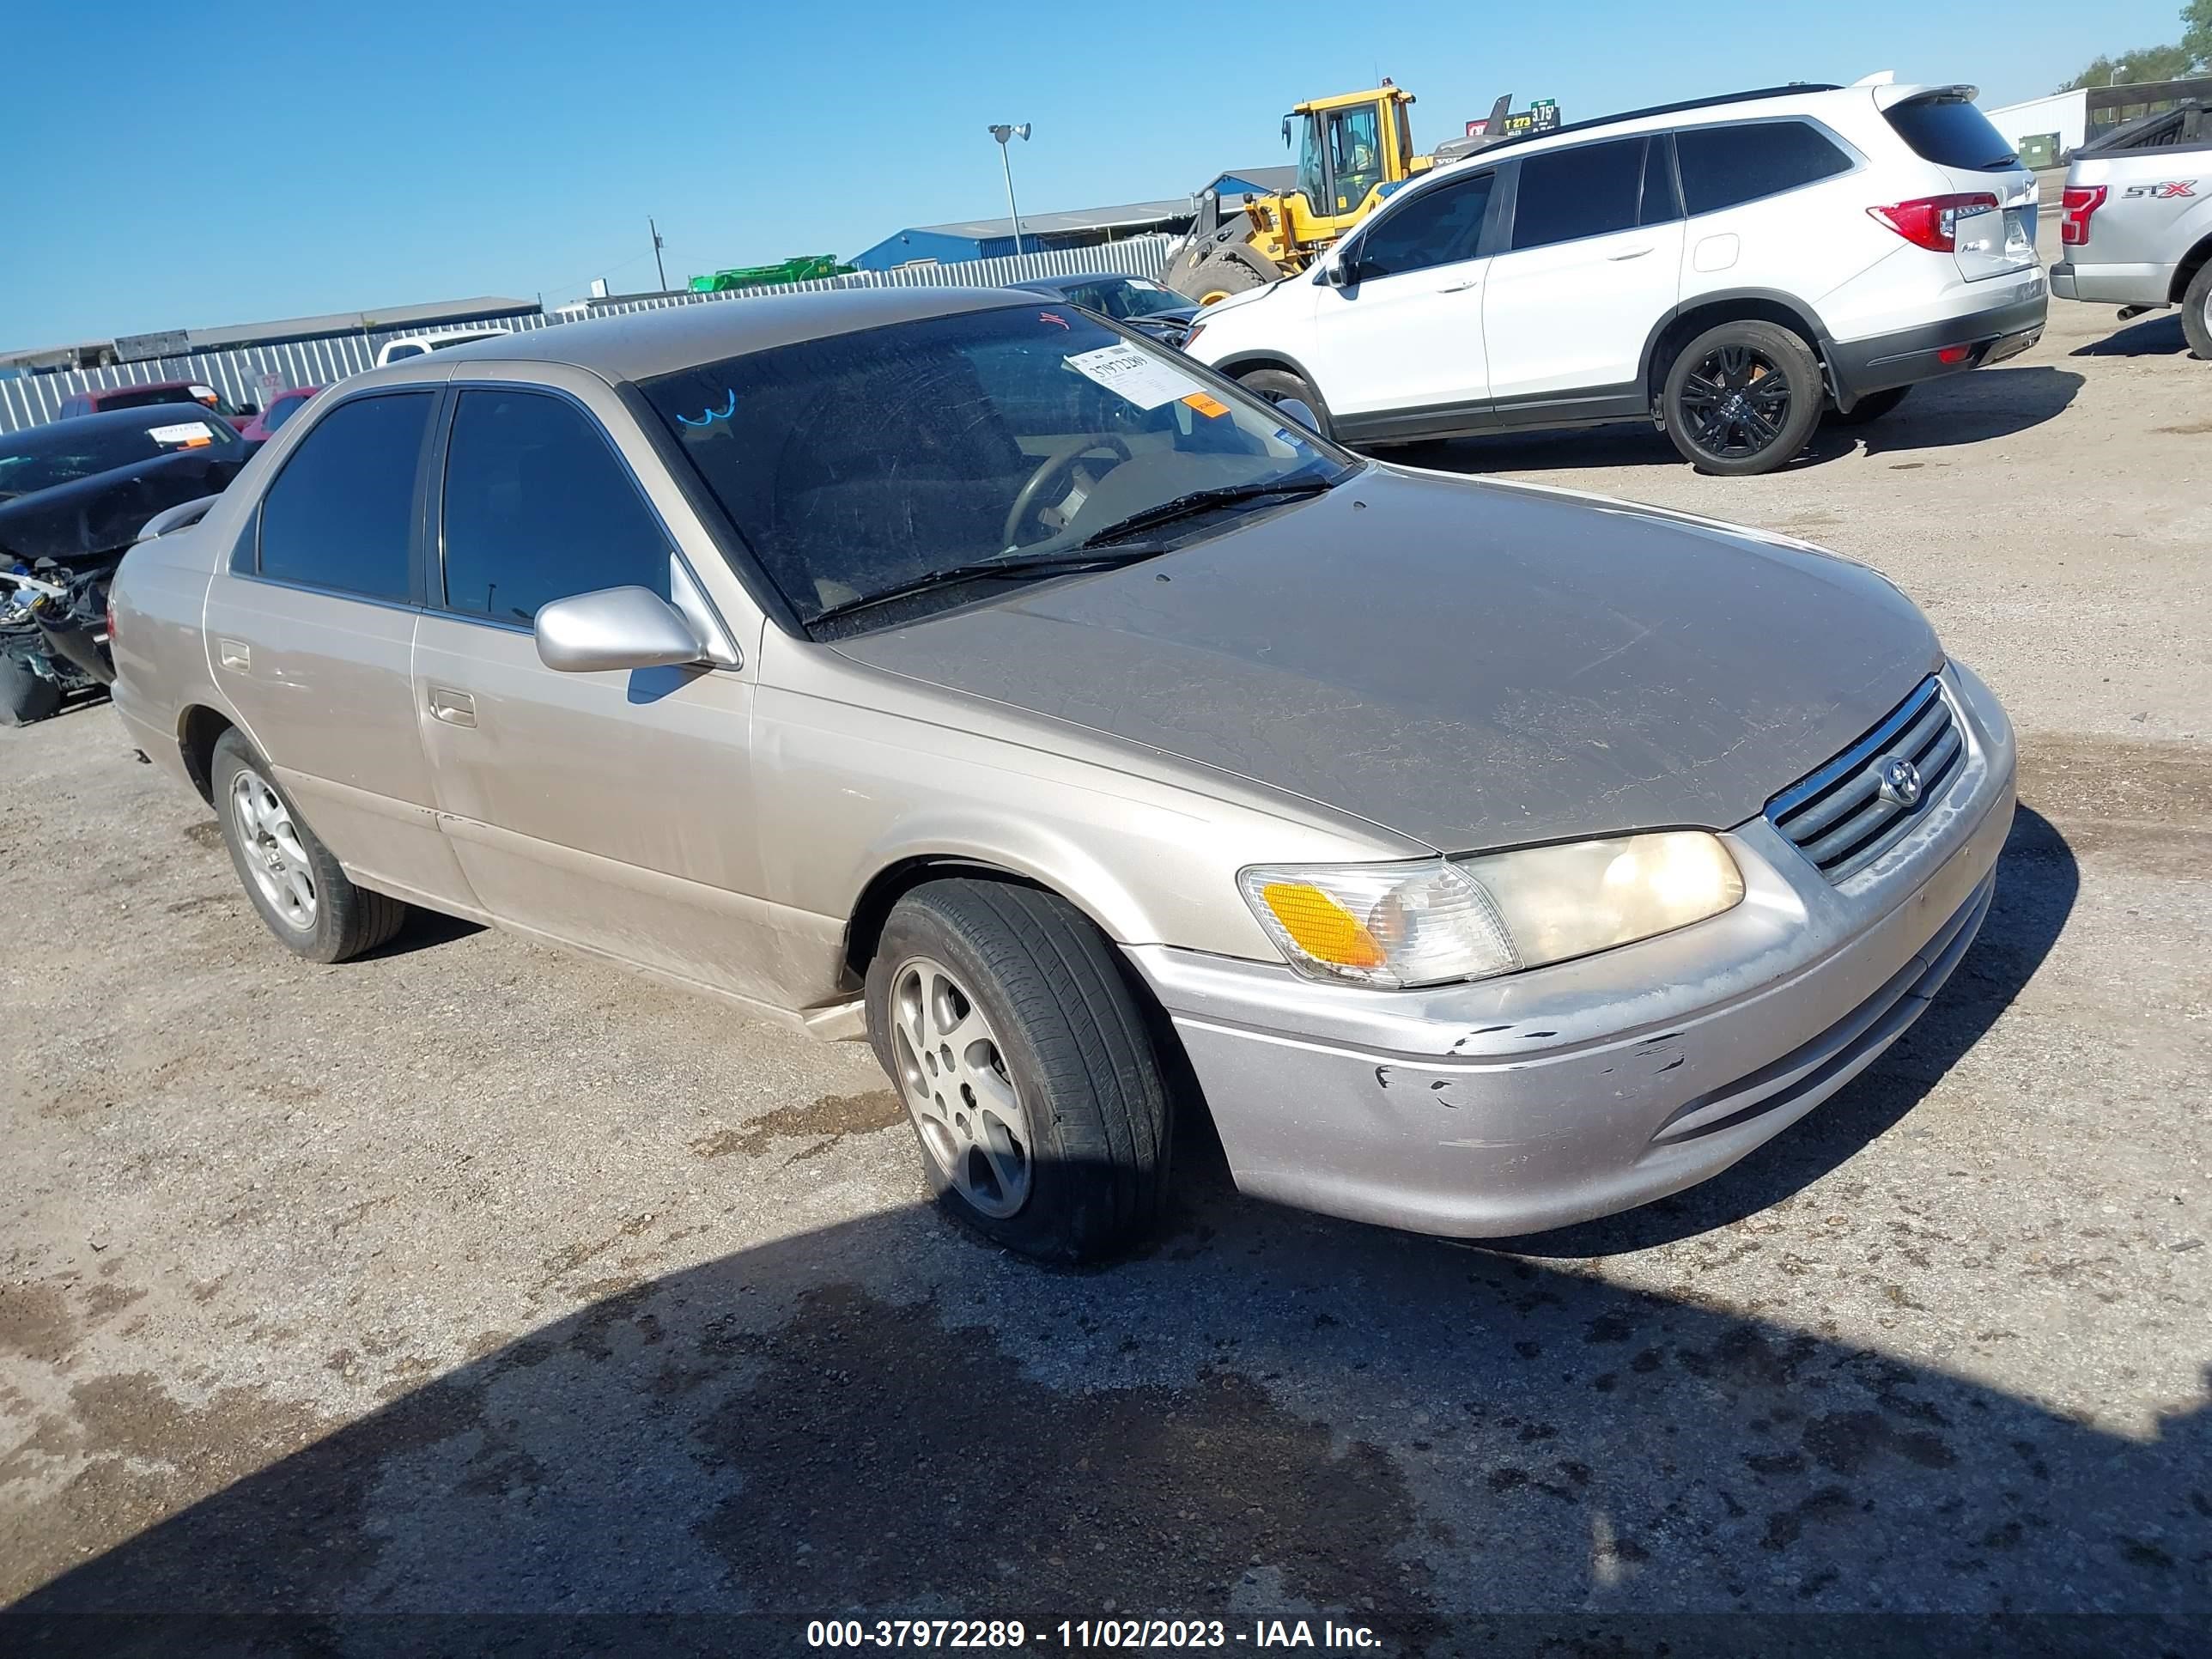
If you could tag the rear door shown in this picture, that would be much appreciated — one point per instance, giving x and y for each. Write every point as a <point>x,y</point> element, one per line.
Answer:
<point>1592,266</point>
<point>311,630</point>
<point>1405,331</point>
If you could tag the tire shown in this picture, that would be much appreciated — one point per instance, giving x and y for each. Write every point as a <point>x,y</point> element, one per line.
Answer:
<point>2197,312</point>
<point>1872,407</point>
<point>337,918</point>
<point>1277,385</point>
<point>1723,362</point>
<point>1062,1152</point>
<point>25,697</point>
<point>1226,272</point>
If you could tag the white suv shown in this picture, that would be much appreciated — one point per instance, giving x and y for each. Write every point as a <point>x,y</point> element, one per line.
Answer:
<point>1728,269</point>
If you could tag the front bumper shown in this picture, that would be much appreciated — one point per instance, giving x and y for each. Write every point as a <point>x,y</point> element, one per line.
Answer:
<point>1548,1098</point>
<point>2006,326</point>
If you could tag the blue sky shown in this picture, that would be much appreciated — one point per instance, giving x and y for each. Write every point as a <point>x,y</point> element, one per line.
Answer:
<point>231,162</point>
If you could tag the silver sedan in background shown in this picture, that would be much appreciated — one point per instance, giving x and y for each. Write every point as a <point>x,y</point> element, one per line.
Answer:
<point>961,671</point>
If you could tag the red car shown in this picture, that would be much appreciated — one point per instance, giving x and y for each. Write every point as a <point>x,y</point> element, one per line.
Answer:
<point>158,392</point>
<point>282,407</point>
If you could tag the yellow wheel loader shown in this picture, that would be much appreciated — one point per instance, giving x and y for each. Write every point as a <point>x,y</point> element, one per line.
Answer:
<point>1354,149</point>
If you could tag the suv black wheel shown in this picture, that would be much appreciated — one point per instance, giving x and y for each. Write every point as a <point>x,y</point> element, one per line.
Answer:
<point>1872,407</point>
<point>1742,399</point>
<point>1026,1065</point>
<point>308,900</point>
<point>1280,386</point>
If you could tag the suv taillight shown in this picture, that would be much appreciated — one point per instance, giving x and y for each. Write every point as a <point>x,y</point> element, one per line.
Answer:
<point>2075,207</point>
<point>1932,222</point>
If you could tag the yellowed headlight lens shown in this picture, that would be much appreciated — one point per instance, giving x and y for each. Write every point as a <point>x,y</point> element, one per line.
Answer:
<point>1322,928</point>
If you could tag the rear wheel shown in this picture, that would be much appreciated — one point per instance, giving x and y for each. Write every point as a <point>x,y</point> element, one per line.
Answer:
<point>2197,311</point>
<point>308,900</point>
<point>1026,1065</point>
<point>1743,399</point>
<point>25,697</point>
<point>1872,407</point>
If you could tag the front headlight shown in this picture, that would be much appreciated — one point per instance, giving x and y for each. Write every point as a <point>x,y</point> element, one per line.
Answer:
<point>1395,925</point>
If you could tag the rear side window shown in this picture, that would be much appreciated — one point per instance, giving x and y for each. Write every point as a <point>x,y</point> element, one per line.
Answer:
<point>1439,227</point>
<point>1952,133</point>
<point>1724,166</point>
<point>1589,191</point>
<point>539,507</point>
<point>339,514</point>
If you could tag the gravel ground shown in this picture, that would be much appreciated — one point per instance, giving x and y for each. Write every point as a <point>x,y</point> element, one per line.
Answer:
<point>474,1278</point>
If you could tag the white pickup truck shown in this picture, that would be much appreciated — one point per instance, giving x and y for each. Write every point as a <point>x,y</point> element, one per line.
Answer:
<point>2137,219</point>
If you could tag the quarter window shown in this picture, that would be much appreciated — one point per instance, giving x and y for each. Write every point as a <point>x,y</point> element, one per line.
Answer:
<point>537,508</point>
<point>1439,227</point>
<point>1724,166</point>
<point>1592,189</point>
<point>340,514</point>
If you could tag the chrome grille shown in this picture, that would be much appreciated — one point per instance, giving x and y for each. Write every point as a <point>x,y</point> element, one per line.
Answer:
<point>1843,817</point>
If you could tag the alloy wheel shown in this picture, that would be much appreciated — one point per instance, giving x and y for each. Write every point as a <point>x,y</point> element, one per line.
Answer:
<point>275,856</point>
<point>1735,403</point>
<point>959,1089</point>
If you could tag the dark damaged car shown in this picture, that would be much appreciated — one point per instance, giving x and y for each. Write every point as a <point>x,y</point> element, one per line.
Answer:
<point>73,495</point>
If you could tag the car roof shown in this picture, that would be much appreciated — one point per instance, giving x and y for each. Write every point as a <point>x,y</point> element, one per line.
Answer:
<point>1692,111</point>
<point>640,345</point>
<point>103,419</point>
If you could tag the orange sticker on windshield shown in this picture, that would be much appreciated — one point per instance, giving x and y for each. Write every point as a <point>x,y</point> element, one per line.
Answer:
<point>1212,408</point>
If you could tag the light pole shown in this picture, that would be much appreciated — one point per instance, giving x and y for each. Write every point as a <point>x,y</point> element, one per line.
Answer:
<point>2119,69</point>
<point>1002,133</point>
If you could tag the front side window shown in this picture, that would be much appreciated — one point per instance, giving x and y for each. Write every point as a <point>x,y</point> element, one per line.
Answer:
<point>1311,183</point>
<point>1440,226</point>
<point>1724,166</point>
<point>341,512</point>
<point>539,507</point>
<point>1592,189</point>
<point>859,463</point>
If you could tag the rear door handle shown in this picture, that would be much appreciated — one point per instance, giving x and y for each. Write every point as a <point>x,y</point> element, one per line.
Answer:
<point>1632,253</point>
<point>454,707</point>
<point>234,656</point>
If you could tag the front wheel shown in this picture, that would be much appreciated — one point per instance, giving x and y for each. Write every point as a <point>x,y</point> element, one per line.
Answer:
<point>1280,386</point>
<point>1743,399</point>
<point>1026,1065</point>
<point>2197,312</point>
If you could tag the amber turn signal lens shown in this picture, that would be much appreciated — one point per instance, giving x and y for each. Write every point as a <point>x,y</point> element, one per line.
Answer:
<point>1322,928</point>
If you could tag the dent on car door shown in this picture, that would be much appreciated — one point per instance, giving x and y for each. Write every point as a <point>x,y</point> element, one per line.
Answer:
<point>610,811</point>
<point>310,635</point>
<point>1593,263</point>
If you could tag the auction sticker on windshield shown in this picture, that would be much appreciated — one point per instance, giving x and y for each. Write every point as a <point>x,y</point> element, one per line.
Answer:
<point>1128,373</point>
<point>191,433</point>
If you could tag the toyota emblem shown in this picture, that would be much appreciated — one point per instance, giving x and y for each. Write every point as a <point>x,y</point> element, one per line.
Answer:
<point>1900,781</point>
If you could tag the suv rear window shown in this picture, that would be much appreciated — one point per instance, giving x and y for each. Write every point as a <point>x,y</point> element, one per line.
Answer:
<point>1588,191</point>
<point>1952,133</point>
<point>1723,166</point>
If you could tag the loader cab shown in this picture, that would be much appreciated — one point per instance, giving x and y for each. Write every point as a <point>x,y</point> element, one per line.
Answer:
<point>1349,147</point>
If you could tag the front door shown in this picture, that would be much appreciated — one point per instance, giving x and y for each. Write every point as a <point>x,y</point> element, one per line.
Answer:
<point>311,631</point>
<point>1592,268</point>
<point>611,811</point>
<point>1405,330</point>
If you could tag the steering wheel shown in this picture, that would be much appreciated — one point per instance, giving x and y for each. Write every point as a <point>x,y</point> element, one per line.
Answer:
<point>1055,470</point>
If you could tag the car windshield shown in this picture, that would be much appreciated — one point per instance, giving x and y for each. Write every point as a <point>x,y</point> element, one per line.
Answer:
<point>145,396</point>
<point>1126,297</point>
<point>44,456</point>
<point>862,462</point>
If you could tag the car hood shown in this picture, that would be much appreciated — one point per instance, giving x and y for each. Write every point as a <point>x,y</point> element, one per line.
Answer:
<point>1470,665</point>
<point>104,513</point>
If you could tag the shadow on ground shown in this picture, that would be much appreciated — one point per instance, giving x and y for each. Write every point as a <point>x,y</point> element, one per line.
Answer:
<point>2156,335</point>
<point>1271,1415</point>
<point>1963,409</point>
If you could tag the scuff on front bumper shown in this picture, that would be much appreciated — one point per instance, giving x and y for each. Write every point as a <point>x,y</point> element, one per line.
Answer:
<point>1540,1099</point>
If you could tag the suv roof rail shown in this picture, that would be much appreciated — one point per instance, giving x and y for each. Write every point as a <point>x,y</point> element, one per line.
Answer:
<point>1793,89</point>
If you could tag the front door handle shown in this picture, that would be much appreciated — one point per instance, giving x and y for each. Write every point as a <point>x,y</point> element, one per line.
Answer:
<point>454,707</point>
<point>1461,287</point>
<point>1632,253</point>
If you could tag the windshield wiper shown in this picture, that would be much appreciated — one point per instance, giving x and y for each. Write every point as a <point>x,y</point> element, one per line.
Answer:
<point>1043,564</point>
<point>1201,501</point>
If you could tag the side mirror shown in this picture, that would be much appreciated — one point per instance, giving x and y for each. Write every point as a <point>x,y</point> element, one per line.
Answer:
<point>249,409</point>
<point>1298,409</point>
<point>616,627</point>
<point>1340,272</point>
